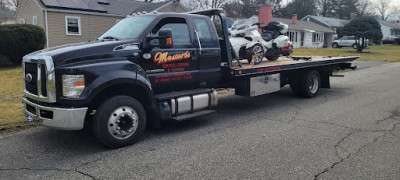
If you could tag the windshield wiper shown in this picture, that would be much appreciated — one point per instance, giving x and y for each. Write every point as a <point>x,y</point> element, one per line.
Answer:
<point>110,37</point>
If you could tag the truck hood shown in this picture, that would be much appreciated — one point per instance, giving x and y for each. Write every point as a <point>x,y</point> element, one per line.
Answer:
<point>85,51</point>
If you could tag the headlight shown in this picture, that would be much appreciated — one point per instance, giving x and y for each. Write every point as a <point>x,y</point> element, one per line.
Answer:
<point>73,85</point>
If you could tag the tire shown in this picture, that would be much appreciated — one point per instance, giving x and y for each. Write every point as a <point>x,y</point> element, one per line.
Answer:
<point>309,84</point>
<point>354,46</point>
<point>272,58</point>
<point>119,121</point>
<point>335,45</point>
<point>256,49</point>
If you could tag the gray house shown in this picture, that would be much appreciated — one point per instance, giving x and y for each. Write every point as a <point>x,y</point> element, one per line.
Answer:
<point>332,23</point>
<point>390,30</point>
<point>75,21</point>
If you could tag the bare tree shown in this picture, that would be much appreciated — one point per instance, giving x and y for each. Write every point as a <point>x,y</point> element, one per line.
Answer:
<point>324,7</point>
<point>362,7</point>
<point>383,7</point>
<point>203,4</point>
<point>9,4</point>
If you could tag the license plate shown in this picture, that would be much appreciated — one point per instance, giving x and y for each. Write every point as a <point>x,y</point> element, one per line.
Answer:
<point>29,118</point>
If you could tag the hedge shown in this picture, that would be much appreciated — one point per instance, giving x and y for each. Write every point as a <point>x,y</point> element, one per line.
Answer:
<point>17,40</point>
<point>397,40</point>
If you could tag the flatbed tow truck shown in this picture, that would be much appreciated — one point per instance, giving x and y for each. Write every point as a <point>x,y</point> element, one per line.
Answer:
<point>151,68</point>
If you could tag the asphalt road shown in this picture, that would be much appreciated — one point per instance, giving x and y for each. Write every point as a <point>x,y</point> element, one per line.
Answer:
<point>351,131</point>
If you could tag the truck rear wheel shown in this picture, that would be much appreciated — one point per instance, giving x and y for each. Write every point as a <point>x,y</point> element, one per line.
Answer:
<point>119,121</point>
<point>310,83</point>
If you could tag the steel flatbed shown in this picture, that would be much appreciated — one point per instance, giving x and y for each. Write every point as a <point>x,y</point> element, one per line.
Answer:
<point>286,64</point>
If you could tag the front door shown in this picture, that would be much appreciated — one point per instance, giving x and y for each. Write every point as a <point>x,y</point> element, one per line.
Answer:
<point>175,68</point>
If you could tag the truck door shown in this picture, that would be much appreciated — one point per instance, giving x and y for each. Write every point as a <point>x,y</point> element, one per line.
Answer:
<point>175,68</point>
<point>208,52</point>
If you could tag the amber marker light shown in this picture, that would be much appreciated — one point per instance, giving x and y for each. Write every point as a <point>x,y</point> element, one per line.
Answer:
<point>169,41</point>
<point>79,84</point>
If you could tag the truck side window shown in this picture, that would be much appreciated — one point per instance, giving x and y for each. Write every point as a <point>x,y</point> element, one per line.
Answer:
<point>180,30</point>
<point>204,32</point>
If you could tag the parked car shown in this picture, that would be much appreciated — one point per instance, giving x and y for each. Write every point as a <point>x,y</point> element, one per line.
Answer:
<point>346,41</point>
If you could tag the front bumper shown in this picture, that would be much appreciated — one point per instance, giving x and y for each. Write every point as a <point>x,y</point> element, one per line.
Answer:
<point>53,117</point>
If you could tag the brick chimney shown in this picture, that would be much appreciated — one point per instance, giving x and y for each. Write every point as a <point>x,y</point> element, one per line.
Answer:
<point>353,16</point>
<point>294,19</point>
<point>265,14</point>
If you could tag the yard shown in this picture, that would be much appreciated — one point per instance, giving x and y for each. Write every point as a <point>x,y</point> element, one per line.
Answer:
<point>12,119</point>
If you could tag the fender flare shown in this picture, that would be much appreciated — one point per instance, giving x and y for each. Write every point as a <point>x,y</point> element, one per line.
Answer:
<point>251,44</point>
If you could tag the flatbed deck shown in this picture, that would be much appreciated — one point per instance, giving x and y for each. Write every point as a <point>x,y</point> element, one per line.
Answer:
<point>286,63</point>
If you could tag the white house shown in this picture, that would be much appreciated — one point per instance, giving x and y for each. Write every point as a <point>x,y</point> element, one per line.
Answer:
<point>305,34</point>
<point>390,30</point>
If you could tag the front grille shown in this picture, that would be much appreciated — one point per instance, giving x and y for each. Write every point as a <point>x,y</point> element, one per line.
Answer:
<point>43,79</point>
<point>39,78</point>
<point>31,68</point>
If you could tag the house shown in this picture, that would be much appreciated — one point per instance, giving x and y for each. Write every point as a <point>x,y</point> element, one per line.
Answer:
<point>302,34</point>
<point>74,21</point>
<point>305,34</point>
<point>332,23</point>
<point>7,17</point>
<point>390,30</point>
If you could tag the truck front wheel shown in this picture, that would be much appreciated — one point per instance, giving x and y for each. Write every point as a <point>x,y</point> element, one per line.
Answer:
<point>310,83</point>
<point>119,121</point>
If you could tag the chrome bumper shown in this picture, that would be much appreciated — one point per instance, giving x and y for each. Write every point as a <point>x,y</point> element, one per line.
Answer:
<point>61,118</point>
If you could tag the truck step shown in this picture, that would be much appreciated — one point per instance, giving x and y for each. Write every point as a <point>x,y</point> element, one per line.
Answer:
<point>191,115</point>
<point>175,94</point>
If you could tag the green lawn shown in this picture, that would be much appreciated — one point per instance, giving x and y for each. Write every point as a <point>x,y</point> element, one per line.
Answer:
<point>389,53</point>
<point>11,116</point>
<point>12,119</point>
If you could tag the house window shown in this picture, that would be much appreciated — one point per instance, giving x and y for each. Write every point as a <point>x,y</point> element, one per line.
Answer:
<point>22,21</point>
<point>292,36</point>
<point>34,20</point>
<point>318,37</point>
<point>72,25</point>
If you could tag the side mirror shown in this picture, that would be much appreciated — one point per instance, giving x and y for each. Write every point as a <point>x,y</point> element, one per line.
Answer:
<point>164,38</point>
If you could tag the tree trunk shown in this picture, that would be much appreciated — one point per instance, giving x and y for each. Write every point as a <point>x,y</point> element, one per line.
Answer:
<point>360,48</point>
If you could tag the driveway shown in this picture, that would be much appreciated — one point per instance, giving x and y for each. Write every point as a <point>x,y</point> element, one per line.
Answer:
<point>350,131</point>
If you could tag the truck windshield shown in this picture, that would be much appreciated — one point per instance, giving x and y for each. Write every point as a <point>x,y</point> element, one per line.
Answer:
<point>128,28</point>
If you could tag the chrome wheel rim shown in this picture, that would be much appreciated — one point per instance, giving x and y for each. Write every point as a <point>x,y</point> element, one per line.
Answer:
<point>257,50</point>
<point>123,122</point>
<point>313,84</point>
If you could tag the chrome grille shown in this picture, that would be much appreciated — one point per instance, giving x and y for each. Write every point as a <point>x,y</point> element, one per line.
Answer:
<point>39,78</point>
<point>31,69</point>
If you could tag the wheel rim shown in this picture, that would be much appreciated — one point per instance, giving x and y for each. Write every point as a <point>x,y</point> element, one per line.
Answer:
<point>257,50</point>
<point>313,84</point>
<point>123,122</point>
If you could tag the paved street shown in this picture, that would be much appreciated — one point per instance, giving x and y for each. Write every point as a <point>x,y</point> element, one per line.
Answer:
<point>351,131</point>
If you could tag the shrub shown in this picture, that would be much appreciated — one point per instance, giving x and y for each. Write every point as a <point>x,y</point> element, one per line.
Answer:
<point>17,40</point>
<point>397,40</point>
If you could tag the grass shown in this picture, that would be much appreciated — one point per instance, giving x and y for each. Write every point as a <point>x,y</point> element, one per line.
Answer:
<point>11,109</point>
<point>389,53</point>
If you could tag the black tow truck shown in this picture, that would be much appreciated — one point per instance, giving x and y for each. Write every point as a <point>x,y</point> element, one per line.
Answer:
<point>151,68</point>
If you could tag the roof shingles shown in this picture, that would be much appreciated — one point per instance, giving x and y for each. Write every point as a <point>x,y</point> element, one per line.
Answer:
<point>303,25</point>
